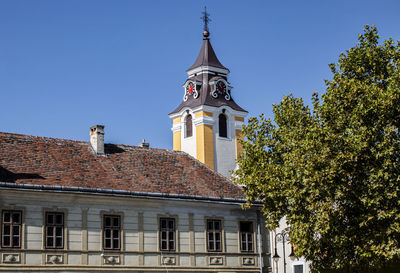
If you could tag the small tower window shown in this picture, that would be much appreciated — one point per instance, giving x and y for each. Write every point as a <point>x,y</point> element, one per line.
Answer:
<point>189,126</point>
<point>223,130</point>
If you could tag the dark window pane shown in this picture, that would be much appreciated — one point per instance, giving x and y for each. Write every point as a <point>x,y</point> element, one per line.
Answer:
<point>6,230</point>
<point>107,233</point>
<point>217,225</point>
<point>50,231</point>
<point>59,231</point>
<point>171,225</point>
<point>6,240</point>
<point>189,126</point>
<point>164,245</point>
<point>163,224</point>
<point>16,230</point>
<point>217,246</point>
<point>107,221</point>
<point>218,236</point>
<point>7,217</point>
<point>163,235</point>
<point>59,219</point>
<point>222,126</point>
<point>50,219</point>
<point>171,245</point>
<point>210,225</point>
<point>59,242</point>
<point>246,226</point>
<point>116,243</point>
<point>107,243</point>
<point>16,217</point>
<point>49,242</point>
<point>116,233</point>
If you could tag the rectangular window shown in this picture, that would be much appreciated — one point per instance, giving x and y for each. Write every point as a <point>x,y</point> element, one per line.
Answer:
<point>214,235</point>
<point>167,234</point>
<point>246,236</point>
<point>298,268</point>
<point>54,230</point>
<point>11,228</point>
<point>112,232</point>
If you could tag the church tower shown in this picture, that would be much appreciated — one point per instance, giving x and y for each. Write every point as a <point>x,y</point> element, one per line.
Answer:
<point>208,123</point>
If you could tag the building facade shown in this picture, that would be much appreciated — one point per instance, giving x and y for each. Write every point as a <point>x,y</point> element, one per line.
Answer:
<point>72,206</point>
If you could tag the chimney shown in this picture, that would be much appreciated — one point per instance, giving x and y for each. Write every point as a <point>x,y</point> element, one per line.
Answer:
<point>97,138</point>
<point>144,144</point>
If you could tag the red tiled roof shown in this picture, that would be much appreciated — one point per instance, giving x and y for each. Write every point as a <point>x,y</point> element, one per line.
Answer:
<point>59,162</point>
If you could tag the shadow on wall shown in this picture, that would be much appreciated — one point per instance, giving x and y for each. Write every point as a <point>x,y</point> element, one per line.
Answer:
<point>8,176</point>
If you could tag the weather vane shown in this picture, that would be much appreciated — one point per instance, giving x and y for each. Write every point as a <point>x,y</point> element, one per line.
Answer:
<point>206,19</point>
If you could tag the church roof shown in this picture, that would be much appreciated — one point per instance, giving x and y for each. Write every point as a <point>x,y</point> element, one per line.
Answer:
<point>67,163</point>
<point>207,56</point>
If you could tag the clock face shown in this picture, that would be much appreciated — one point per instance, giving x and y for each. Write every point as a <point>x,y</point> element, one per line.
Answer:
<point>190,88</point>
<point>221,87</point>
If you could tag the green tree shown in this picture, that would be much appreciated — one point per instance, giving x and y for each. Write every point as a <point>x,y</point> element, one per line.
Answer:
<point>333,170</point>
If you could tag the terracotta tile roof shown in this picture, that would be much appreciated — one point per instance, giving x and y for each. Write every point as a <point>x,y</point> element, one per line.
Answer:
<point>59,162</point>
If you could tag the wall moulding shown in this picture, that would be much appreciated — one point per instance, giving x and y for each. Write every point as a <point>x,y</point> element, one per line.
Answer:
<point>216,260</point>
<point>248,261</point>
<point>54,259</point>
<point>11,258</point>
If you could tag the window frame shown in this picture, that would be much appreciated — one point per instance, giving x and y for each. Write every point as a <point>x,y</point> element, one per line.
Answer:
<point>225,127</point>
<point>214,232</point>
<point>246,233</point>
<point>186,125</point>
<point>167,231</point>
<point>112,228</point>
<point>54,226</point>
<point>298,263</point>
<point>11,224</point>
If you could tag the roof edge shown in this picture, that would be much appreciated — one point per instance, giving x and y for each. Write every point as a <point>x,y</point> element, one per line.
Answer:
<point>82,190</point>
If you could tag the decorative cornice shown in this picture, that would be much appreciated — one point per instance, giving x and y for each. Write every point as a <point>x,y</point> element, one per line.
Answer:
<point>211,109</point>
<point>176,127</point>
<point>207,68</point>
<point>203,120</point>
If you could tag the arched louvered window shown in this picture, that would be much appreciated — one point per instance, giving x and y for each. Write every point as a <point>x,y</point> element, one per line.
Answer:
<point>223,130</point>
<point>189,126</point>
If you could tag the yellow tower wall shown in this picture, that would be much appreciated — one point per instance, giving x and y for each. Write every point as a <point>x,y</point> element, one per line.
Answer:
<point>239,148</point>
<point>205,145</point>
<point>177,136</point>
<point>238,137</point>
<point>203,114</point>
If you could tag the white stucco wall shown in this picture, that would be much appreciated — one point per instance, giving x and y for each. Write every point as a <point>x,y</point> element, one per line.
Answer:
<point>225,148</point>
<point>278,267</point>
<point>192,256</point>
<point>188,144</point>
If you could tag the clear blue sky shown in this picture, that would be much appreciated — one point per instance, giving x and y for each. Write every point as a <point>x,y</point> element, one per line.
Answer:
<point>67,65</point>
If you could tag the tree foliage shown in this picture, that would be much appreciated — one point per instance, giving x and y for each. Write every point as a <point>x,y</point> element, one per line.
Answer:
<point>333,170</point>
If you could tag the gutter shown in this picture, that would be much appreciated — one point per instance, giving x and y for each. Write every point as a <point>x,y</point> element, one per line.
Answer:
<point>82,190</point>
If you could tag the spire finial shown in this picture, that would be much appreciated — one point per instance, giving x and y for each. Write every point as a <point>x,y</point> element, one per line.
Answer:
<point>206,19</point>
